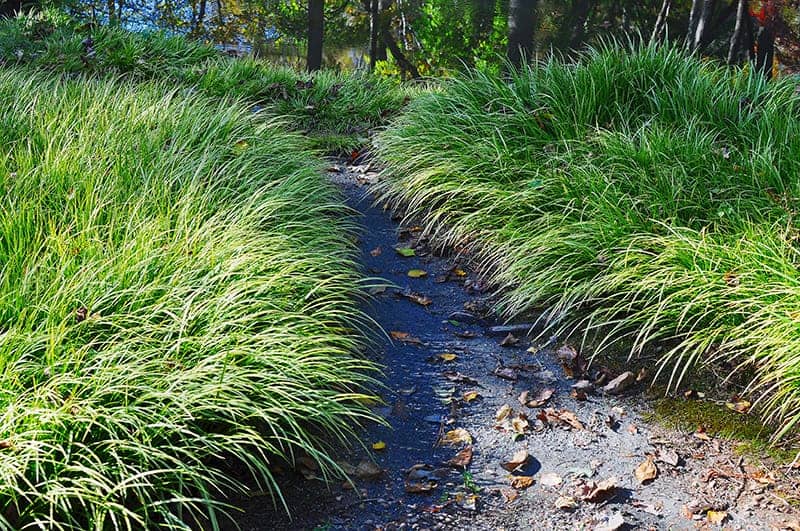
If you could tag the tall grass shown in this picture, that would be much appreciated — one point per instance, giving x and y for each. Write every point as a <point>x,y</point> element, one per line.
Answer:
<point>336,109</point>
<point>646,194</point>
<point>176,301</point>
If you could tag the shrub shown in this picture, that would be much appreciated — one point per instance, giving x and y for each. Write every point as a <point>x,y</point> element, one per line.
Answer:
<point>644,194</point>
<point>177,299</point>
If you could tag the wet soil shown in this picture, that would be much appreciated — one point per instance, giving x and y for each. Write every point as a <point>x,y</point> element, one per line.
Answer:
<point>445,350</point>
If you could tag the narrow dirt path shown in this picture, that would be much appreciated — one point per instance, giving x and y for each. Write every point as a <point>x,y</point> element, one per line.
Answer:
<point>450,374</point>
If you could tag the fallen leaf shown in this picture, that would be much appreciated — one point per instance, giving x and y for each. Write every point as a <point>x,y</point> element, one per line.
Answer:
<point>418,298</point>
<point>447,356</point>
<point>716,517</point>
<point>471,396</point>
<point>509,495</point>
<point>571,361</point>
<point>417,273</point>
<point>521,482</point>
<point>597,492</point>
<point>620,384</point>
<point>739,406</point>
<point>550,479</point>
<point>462,459</point>
<point>517,460</point>
<point>731,279</point>
<point>564,417</point>
<point>646,471</point>
<point>566,503</point>
<point>701,434</point>
<point>541,397</point>
<point>456,437</point>
<point>376,251</point>
<point>459,272</point>
<point>419,487</point>
<point>519,424</point>
<point>380,445</point>
<point>405,251</point>
<point>366,469</point>
<point>457,377</point>
<point>509,341</point>
<point>506,373</point>
<point>404,337</point>
<point>467,501</point>
<point>504,411</point>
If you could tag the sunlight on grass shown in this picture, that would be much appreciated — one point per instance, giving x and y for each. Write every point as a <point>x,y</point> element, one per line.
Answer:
<point>176,299</point>
<point>647,195</point>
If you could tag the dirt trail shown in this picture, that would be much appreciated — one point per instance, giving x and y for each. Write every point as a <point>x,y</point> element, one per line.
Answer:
<point>582,466</point>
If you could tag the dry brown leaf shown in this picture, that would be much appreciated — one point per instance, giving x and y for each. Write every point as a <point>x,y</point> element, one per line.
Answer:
<point>462,459</point>
<point>519,424</point>
<point>646,471</point>
<point>404,337</point>
<point>456,437</point>
<point>521,482</point>
<point>509,495</point>
<point>506,373</point>
<point>509,341</point>
<point>366,469</point>
<point>564,416</point>
<point>419,487</point>
<point>701,434</point>
<point>457,377</point>
<point>517,460</point>
<point>541,398</point>
<point>376,251</point>
<point>738,405</point>
<point>502,413</point>
<point>550,479</point>
<point>597,492</point>
<point>566,503</point>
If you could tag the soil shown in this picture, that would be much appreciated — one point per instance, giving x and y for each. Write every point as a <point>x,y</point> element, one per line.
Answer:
<point>581,451</point>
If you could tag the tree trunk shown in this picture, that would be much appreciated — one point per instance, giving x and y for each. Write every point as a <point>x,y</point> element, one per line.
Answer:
<point>703,25</point>
<point>765,51</point>
<point>738,30</point>
<point>112,11</point>
<point>201,15</point>
<point>521,25</point>
<point>694,14</point>
<point>374,32</point>
<point>316,17</point>
<point>9,8</point>
<point>402,61</point>
<point>661,21</point>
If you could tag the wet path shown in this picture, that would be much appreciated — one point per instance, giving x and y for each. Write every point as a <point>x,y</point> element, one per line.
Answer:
<point>446,369</point>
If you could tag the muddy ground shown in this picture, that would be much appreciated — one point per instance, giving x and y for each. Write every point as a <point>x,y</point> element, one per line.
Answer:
<point>582,459</point>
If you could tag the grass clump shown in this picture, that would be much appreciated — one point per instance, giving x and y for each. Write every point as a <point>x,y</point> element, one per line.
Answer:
<point>176,299</point>
<point>336,110</point>
<point>646,195</point>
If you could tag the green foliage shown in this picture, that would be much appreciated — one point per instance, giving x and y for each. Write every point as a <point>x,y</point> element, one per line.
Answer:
<point>177,299</point>
<point>337,109</point>
<point>645,195</point>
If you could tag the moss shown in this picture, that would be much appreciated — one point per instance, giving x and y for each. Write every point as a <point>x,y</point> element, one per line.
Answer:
<point>751,437</point>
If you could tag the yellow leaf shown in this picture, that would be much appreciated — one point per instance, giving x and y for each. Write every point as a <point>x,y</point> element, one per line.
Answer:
<point>447,356</point>
<point>380,445</point>
<point>417,273</point>
<point>469,396</point>
<point>716,517</point>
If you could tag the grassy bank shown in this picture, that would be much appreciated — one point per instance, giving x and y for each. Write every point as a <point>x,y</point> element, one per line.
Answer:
<point>336,110</point>
<point>648,196</point>
<point>176,299</point>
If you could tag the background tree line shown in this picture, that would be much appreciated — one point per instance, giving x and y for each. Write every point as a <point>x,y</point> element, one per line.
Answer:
<point>418,37</point>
